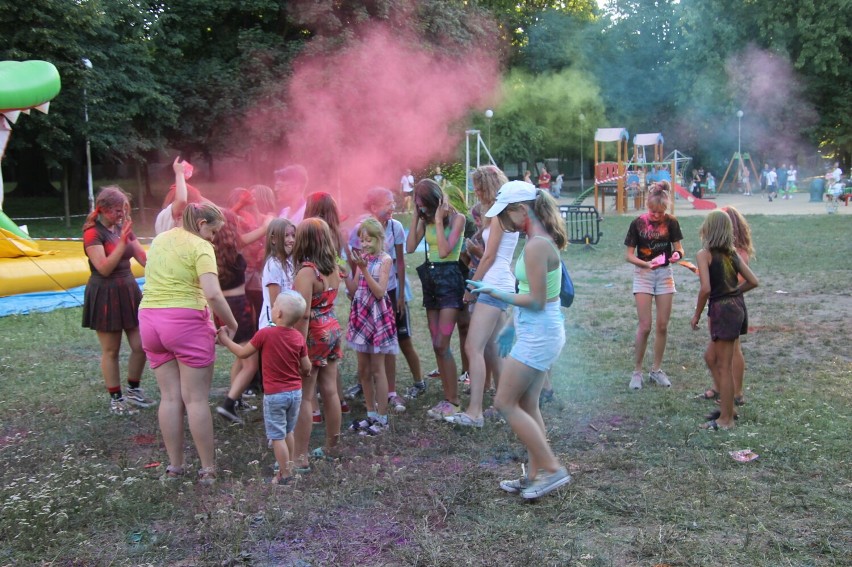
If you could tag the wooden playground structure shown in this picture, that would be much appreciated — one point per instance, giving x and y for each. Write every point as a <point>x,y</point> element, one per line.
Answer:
<point>624,179</point>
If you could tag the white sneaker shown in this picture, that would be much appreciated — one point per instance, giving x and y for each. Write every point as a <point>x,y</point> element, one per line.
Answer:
<point>660,378</point>
<point>636,381</point>
<point>397,403</point>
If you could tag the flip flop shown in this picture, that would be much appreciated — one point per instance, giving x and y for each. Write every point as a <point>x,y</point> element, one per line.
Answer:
<point>712,426</point>
<point>714,415</point>
<point>708,394</point>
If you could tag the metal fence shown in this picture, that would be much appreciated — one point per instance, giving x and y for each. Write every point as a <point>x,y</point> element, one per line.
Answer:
<point>583,223</point>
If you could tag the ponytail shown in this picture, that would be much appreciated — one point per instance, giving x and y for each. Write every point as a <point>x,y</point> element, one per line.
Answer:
<point>547,211</point>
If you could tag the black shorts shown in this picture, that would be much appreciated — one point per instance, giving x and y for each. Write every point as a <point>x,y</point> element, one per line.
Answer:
<point>403,329</point>
<point>443,285</point>
<point>244,314</point>
<point>728,318</point>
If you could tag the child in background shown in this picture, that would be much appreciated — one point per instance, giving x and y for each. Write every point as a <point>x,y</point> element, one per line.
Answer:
<point>232,279</point>
<point>372,323</point>
<point>380,204</point>
<point>718,268</point>
<point>318,280</point>
<point>278,268</point>
<point>652,241</point>
<point>284,356</point>
<point>745,250</point>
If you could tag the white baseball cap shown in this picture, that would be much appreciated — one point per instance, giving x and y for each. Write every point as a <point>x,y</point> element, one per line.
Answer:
<point>512,192</point>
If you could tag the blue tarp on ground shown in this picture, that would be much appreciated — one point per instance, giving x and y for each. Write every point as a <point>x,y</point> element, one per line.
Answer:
<point>45,301</point>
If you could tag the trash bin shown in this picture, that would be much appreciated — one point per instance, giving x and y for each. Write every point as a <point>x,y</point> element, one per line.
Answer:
<point>817,189</point>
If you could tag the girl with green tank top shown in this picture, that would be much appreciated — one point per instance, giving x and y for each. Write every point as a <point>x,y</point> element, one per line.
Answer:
<point>441,279</point>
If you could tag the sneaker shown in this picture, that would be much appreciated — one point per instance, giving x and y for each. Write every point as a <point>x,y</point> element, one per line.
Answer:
<point>442,409</point>
<point>491,414</point>
<point>249,393</point>
<point>243,405</point>
<point>360,424</point>
<point>344,407</point>
<point>317,417</point>
<point>545,397</point>
<point>515,485</point>
<point>434,374</point>
<point>636,381</point>
<point>419,388</point>
<point>230,415</point>
<point>376,428</point>
<point>465,420</point>
<point>121,407</point>
<point>397,403</point>
<point>137,397</point>
<point>464,378</point>
<point>353,392</point>
<point>546,483</point>
<point>660,378</point>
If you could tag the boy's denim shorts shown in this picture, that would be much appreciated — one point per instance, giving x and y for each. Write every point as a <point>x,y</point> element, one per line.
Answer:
<point>280,412</point>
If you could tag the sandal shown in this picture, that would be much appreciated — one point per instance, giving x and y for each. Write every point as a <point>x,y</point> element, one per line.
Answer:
<point>738,401</point>
<point>279,480</point>
<point>173,473</point>
<point>207,477</point>
<point>714,415</point>
<point>712,426</point>
<point>709,394</point>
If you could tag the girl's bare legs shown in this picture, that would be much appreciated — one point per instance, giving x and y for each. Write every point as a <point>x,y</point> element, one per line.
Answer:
<point>517,401</point>
<point>242,373</point>
<point>110,348</point>
<point>327,384</point>
<point>722,370</point>
<point>406,345</point>
<point>137,360</point>
<point>380,381</point>
<point>365,378</point>
<point>171,411</point>
<point>441,324</point>
<point>483,331</point>
<point>463,324</point>
<point>738,369</point>
<point>661,329</point>
<point>302,432</point>
<point>643,310</point>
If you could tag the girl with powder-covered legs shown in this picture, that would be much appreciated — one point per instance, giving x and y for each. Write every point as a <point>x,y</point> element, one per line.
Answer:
<point>495,270</point>
<point>538,324</point>
<point>724,279</point>
<point>652,240</point>
<point>441,279</point>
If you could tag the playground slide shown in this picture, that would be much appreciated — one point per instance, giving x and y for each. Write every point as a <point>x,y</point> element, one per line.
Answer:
<point>702,204</point>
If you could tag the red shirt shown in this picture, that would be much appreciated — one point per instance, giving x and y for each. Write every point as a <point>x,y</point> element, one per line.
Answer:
<point>281,351</point>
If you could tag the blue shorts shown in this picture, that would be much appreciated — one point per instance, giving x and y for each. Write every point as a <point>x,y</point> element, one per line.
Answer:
<point>486,299</point>
<point>540,336</point>
<point>280,412</point>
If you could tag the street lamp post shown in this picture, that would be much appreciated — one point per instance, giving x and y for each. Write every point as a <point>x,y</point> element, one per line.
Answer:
<point>489,114</point>
<point>739,131</point>
<point>582,118</point>
<point>88,65</point>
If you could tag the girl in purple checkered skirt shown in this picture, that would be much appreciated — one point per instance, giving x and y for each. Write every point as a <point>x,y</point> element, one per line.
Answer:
<point>372,322</point>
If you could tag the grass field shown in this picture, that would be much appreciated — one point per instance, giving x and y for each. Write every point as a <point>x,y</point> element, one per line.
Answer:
<point>649,488</point>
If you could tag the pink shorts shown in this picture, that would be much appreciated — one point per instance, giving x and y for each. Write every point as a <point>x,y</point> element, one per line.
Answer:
<point>187,335</point>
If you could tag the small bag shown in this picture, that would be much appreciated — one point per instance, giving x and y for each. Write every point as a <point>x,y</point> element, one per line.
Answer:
<point>566,294</point>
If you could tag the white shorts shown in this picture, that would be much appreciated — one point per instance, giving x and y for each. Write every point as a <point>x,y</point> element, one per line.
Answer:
<point>653,282</point>
<point>540,336</point>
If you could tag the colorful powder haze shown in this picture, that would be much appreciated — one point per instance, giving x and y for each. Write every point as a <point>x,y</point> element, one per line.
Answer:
<point>378,106</point>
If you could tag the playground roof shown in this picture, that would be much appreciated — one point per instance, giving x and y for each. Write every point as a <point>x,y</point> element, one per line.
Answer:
<point>611,134</point>
<point>647,139</point>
